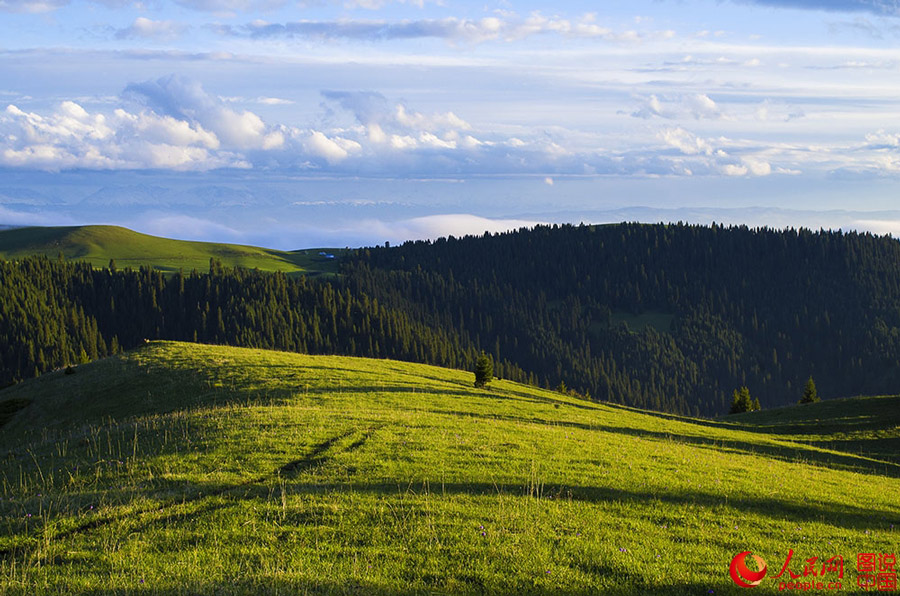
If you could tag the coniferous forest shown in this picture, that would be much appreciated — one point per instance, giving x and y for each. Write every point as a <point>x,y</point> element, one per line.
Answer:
<point>667,317</point>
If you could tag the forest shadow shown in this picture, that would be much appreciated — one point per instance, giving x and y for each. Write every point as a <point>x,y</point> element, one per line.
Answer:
<point>810,454</point>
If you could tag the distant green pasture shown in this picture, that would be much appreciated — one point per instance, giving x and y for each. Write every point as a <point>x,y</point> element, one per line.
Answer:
<point>99,244</point>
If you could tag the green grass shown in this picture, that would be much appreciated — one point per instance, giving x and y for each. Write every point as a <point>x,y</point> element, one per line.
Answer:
<point>184,469</point>
<point>98,244</point>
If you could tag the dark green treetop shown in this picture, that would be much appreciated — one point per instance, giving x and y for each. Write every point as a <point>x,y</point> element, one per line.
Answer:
<point>810,394</point>
<point>484,370</point>
<point>742,402</point>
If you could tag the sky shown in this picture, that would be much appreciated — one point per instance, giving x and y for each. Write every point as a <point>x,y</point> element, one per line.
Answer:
<point>302,123</point>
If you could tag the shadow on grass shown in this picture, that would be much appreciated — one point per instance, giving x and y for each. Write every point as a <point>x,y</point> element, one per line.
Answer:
<point>452,584</point>
<point>806,453</point>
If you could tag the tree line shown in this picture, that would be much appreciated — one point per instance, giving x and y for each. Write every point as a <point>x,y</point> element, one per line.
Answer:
<point>57,313</point>
<point>738,307</point>
<point>757,308</point>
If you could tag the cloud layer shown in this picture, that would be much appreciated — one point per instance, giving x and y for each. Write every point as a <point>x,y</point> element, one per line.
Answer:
<point>173,123</point>
<point>507,27</point>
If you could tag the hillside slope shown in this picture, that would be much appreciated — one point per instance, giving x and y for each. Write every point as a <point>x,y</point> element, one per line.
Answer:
<point>663,317</point>
<point>98,244</point>
<point>181,468</point>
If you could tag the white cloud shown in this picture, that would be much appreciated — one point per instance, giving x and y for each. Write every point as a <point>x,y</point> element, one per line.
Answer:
<point>144,28</point>
<point>417,120</point>
<point>429,140</point>
<point>31,6</point>
<point>403,142</point>
<point>697,106</point>
<point>506,28</point>
<point>333,150</point>
<point>72,137</point>
<point>230,7</point>
<point>274,101</point>
<point>166,129</point>
<point>186,99</point>
<point>757,167</point>
<point>734,170</point>
<point>881,138</point>
<point>686,142</point>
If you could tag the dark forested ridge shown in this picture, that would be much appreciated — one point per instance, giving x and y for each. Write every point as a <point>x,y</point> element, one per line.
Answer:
<point>731,306</point>
<point>669,317</point>
<point>57,313</point>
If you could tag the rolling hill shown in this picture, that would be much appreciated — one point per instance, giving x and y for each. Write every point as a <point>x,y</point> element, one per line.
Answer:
<point>98,244</point>
<point>183,468</point>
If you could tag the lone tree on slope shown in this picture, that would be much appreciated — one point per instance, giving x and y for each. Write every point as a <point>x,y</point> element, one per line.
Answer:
<point>810,395</point>
<point>741,402</point>
<point>484,370</point>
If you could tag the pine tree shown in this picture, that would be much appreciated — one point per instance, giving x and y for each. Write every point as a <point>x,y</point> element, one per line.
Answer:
<point>484,370</point>
<point>810,395</point>
<point>741,401</point>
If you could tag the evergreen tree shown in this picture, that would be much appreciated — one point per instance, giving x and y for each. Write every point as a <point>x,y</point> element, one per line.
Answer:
<point>741,401</point>
<point>810,395</point>
<point>484,370</point>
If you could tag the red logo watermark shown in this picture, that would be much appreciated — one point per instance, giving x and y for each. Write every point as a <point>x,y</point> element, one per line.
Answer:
<point>876,572</point>
<point>743,575</point>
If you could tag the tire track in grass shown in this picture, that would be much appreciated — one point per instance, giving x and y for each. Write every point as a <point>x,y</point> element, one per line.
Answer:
<point>316,457</point>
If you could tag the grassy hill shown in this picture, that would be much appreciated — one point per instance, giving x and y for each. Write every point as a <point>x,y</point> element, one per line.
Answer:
<point>181,468</point>
<point>98,244</point>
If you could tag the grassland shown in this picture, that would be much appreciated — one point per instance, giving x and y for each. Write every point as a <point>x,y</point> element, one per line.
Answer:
<point>98,244</point>
<point>183,469</point>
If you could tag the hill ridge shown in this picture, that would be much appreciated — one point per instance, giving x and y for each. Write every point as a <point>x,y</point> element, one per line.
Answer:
<point>98,244</point>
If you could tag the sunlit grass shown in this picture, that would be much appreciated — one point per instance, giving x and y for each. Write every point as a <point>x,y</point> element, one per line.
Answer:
<point>211,470</point>
<point>97,245</point>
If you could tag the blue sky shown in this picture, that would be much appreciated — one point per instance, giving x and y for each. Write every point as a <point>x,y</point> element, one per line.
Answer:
<point>318,122</point>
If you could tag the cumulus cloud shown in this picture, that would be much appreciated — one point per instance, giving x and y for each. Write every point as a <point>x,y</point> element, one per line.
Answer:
<point>451,29</point>
<point>71,137</point>
<point>697,106</point>
<point>401,128</point>
<point>883,140</point>
<point>719,155</point>
<point>333,150</point>
<point>185,99</point>
<point>144,28</point>
<point>173,123</point>
<point>686,142</point>
<point>178,126</point>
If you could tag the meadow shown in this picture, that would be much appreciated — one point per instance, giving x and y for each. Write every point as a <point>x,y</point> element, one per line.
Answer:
<point>99,244</point>
<point>180,468</point>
